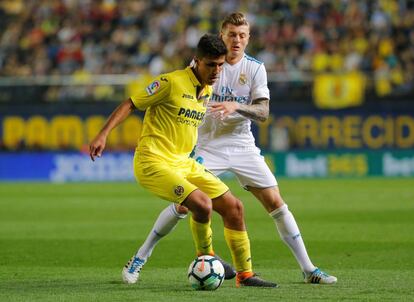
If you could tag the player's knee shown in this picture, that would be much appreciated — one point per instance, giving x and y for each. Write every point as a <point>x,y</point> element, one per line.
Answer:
<point>237,209</point>
<point>276,202</point>
<point>201,206</point>
<point>206,206</point>
<point>272,200</point>
<point>202,212</point>
<point>233,210</point>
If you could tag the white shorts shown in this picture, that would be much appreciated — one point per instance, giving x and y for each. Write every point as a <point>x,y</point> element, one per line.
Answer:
<point>246,163</point>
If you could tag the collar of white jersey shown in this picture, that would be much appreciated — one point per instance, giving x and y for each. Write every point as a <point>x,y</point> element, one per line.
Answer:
<point>236,64</point>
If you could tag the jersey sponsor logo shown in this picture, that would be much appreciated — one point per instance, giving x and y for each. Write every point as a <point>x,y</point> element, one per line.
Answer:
<point>179,190</point>
<point>230,98</point>
<point>192,114</point>
<point>226,90</point>
<point>242,79</point>
<point>187,96</point>
<point>153,87</point>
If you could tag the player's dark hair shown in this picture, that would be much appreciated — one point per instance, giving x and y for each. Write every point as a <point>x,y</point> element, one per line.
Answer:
<point>236,19</point>
<point>210,46</point>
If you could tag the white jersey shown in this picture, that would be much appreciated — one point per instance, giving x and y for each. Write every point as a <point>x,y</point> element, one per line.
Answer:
<point>242,82</point>
<point>228,145</point>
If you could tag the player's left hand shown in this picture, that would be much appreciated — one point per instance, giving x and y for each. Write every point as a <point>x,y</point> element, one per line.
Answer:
<point>223,109</point>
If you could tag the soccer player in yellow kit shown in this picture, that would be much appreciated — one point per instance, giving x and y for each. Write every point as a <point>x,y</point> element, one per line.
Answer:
<point>175,105</point>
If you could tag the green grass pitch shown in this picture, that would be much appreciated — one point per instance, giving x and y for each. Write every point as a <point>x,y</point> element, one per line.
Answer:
<point>68,242</point>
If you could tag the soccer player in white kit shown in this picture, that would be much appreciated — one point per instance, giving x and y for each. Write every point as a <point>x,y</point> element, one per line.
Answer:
<point>226,143</point>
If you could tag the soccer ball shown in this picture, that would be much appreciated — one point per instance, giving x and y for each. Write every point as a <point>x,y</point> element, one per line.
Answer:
<point>205,273</point>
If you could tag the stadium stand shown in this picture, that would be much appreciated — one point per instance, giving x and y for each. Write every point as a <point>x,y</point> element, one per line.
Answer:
<point>293,38</point>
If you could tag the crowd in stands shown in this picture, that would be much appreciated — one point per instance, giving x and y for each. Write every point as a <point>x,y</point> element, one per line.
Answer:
<point>292,37</point>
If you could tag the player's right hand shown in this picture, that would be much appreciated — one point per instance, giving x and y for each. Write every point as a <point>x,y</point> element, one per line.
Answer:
<point>96,147</point>
<point>223,109</point>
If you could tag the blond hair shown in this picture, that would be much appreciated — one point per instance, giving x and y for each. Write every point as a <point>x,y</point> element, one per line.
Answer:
<point>236,19</point>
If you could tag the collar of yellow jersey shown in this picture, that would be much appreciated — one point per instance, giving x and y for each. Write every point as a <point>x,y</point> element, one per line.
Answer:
<point>192,76</point>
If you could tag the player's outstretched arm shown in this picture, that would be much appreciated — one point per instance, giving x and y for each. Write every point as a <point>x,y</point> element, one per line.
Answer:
<point>97,145</point>
<point>258,110</point>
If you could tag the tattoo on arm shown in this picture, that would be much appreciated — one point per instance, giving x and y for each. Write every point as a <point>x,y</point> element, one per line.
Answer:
<point>258,110</point>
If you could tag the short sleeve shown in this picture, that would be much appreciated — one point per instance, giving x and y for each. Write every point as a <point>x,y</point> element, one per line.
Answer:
<point>259,85</point>
<point>154,93</point>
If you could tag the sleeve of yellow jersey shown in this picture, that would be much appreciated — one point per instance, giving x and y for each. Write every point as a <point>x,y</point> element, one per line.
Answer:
<point>154,93</point>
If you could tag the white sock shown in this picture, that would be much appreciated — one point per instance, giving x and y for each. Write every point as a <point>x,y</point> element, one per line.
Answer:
<point>166,222</point>
<point>290,234</point>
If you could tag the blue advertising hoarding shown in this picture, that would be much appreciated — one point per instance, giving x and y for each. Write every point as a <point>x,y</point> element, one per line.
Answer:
<point>65,167</point>
<point>78,167</point>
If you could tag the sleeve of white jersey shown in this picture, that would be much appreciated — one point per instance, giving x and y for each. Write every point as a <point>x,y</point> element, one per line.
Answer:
<point>259,84</point>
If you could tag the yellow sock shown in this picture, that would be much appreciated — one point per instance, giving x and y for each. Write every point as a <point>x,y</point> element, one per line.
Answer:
<point>202,236</point>
<point>239,244</point>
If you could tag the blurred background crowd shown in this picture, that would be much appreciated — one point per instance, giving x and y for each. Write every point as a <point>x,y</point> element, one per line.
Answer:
<point>294,38</point>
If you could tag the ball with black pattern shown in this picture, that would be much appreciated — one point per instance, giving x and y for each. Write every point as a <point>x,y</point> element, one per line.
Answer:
<point>205,273</point>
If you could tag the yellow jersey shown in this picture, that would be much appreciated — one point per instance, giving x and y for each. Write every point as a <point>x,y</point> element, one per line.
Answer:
<point>173,114</point>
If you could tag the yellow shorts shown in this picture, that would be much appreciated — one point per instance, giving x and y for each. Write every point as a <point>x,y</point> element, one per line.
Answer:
<point>175,181</point>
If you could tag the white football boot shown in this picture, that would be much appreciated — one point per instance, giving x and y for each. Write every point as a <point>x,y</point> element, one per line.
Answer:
<point>131,270</point>
<point>319,277</point>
